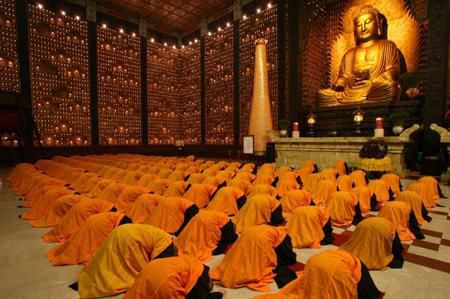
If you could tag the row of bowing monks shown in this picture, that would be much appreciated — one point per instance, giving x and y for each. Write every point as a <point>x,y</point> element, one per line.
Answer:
<point>145,225</point>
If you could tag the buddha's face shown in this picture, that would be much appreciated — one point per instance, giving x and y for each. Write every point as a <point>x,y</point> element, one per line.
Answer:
<point>366,28</point>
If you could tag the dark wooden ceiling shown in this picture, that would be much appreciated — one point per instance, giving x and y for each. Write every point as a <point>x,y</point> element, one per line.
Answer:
<point>170,16</point>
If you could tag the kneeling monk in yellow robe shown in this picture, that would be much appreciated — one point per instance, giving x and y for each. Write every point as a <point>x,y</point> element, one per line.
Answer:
<point>208,233</point>
<point>252,260</point>
<point>173,277</point>
<point>376,243</point>
<point>123,255</point>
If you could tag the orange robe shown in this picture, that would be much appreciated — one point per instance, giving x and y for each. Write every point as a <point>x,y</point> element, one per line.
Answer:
<point>80,247</point>
<point>257,210</point>
<point>344,183</point>
<point>57,211</point>
<point>250,261</point>
<point>225,200</point>
<point>398,212</point>
<point>201,235</point>
<point>363,194</point>
<point>128,196</point>
<point>286,184</point>
<point>172,277</point>
<point>119,260</point>
<point>42,206</point>
<point>71,222</point>
<point>432,186</point>
<point>413,200</point>
<point>381,190</point>
<point>392,181</point>
<point>341,208</point>
<point>200,194</point>
<point>330,274</point>
<point>142,208</point>
<point>341,167</point>
<point>263,190</point>
<point>294,199</point>
<point>371,242</point>
<point>329,174</point>
<point>323,191</point>
<point>422,190</point>
<point>311,182</point>
<point>196,178</point>
<point>359,178</point>
<point>176,189</point>
<point>242,184</point>
<point>305,226</point>
<point>177,175</point>
<point>169,214</point>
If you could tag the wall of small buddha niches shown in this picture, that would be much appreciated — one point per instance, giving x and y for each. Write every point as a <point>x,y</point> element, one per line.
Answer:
<point>163,93</point>
<point>260,25</point>
<point>59,78</point>
<point>9,66</point>
<point>189,101</point>
<point>219,85</point>
<point>119,87</point>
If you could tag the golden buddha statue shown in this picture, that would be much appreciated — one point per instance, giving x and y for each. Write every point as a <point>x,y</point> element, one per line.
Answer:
<point>369,72</point>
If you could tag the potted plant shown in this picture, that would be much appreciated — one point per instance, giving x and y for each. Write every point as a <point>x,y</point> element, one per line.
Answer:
<point>398,120</point>
<point>283,125</point>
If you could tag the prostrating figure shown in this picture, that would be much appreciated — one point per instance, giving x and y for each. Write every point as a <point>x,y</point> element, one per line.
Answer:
<point>403,218</point>
<point>123,255</point>
<point>259,209</point>
<point>413,200</point>
<point>176,277</point>
<point>172,214</point>
<point>208,233</point>
<point>331,274</point>
<point>343,209</point>
<point>370,71</point>
<point>293,200</point>
<point>228,200</point>
<point>143,207</point>
<point>309,226</point>
<point>254,257</point>
<point>80,247</point>
<point>424,191</point>
<point>72,221</point>
<point>376,243</point>
<point>200,194</point>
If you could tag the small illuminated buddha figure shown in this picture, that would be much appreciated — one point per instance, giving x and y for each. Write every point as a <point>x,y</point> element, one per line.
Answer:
<point>369,72</point>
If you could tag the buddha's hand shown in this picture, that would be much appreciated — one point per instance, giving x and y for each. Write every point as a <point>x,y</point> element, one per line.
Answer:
<point>362,75</point>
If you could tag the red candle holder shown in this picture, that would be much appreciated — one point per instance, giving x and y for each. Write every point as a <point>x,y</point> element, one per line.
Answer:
<point>295,126</point>
<point>379,123</point>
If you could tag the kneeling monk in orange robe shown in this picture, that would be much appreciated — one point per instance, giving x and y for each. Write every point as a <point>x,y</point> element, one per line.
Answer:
<point>330,274</point>
<point>228,200</point>
<point>403,218</point>
<point>172,214</point>
<point>259,209</point>
<point>123,255</point>
<point>71,222</point>
<point>208,233</point>
<point>252,260</point>
<point>376,243</point>
<point>80,247</point>
<point>343,209</point>
<point>309,226</point>
<point>173,277</point>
